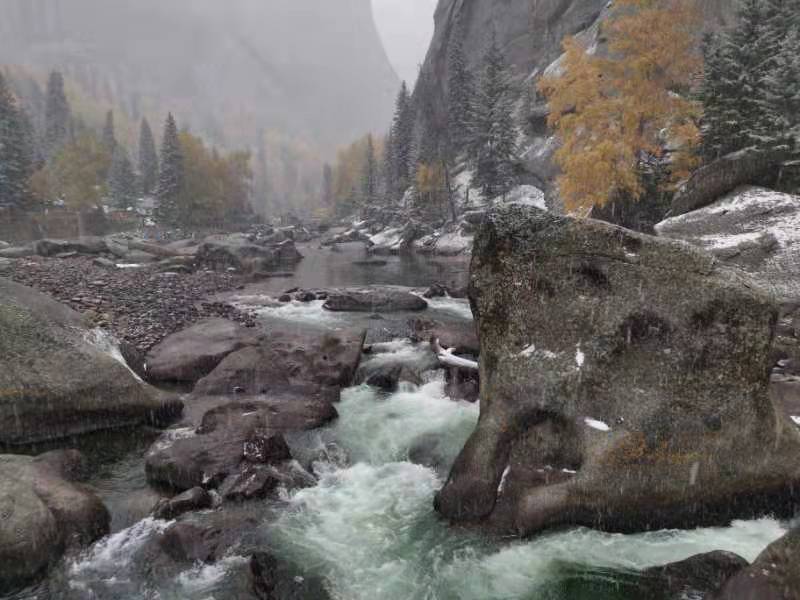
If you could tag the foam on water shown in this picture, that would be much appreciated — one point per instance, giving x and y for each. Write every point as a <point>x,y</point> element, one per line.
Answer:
<point>202,579</point>
<point>304,312</point>
<point>370,528</point>
<point>456,306</point>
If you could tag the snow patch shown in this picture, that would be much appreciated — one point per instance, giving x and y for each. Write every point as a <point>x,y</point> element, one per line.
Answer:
<point>595,424</point>
<point>796,420</point>
<point>580,357</point>
<point>503,478</point>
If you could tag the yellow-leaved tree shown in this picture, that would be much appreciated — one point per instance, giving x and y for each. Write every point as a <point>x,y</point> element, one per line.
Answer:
<point>617,112</point>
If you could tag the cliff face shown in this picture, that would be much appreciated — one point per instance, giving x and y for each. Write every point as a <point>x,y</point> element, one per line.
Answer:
<point>531,33</point>
<point>313,68</point>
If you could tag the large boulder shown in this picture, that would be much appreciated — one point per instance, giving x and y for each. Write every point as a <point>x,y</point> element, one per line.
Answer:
<point>374,299</point>
<point>44,512</point>
<point>695,577</point>
<point>753,228</point>
<point>59,379</point>
<point>708,183</point>
<point>634,368</point>
<point>239,253</point>
<point>83,245</point>
<point>285,358</point>
<point>773,576</point>
<point>193,353</point>
<point>238,444</point>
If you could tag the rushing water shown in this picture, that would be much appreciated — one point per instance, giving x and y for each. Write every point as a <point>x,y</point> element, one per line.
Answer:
<point>368,529</point>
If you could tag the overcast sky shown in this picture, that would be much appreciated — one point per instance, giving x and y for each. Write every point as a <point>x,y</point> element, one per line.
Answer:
<point>406,27</point>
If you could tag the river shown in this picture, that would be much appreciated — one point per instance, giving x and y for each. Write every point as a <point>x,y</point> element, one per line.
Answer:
<point>368,529</point>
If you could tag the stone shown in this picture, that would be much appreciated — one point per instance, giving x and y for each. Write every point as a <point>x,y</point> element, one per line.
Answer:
<point>232,437</point>
<point>374,299</point>
<point>187,542</point>
<point>772,576</point>
<point>44,512</point>
<point>273,578</point>
<point>83,245</point>
<point>636,367</point>
<point>106,263</point>
<point>460,335</point>
<point>60,379</point>
<point>193,353</point>
<point>193,499</point>
<point>17,252</point>
<point>696,577</point>
<point>287,357</point>
<point>752,228</point>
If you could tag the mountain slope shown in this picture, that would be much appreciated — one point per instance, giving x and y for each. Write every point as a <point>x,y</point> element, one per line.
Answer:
<point>313,69</point>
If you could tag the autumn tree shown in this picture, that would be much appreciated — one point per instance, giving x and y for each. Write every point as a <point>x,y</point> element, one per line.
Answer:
<point>77,174</point>
<point>614,116</point>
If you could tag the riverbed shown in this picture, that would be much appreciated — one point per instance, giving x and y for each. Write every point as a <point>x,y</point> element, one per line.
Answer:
<point>368,530</point>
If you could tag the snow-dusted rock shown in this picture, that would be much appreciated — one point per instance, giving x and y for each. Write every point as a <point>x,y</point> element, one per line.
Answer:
<point>634,366</point>
<point>754,228</point>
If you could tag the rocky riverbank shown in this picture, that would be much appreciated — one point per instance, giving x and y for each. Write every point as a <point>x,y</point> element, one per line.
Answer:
<point>140,306</point>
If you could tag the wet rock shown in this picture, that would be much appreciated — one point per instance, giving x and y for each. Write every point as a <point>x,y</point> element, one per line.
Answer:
<point>288,357</point>
<point>374,299</point>
<point>58,381</point>
<point>658,398</point>
<point>772,576</point>
<point>252,483</point>
<point>4,245</point>
<point>695,577</point>
<point>44,512</point>
<point>460,335</point>
<point>231,438</point>
<point>272,578</point>
<point>462,384</point>
<point>193,353</point>
<point>193,499</point>
<point>187,542</point>
<point>388,377</point>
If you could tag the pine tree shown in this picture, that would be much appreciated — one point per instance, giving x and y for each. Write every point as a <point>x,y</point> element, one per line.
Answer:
<point>493,144</point>
<point>148,160</point>
<point>57,115</point>
<point>388,168</point>
<point>369,176</point>
<point>402,137</point>
<point>749,53</point>
<point>460,91</point>
<point>327,186</point>
<point>783,92</point>
<point>715,94</point>
<point>171,176</point>
<point>109,134</point>
<point>15,151</point>
<point>122,185</point>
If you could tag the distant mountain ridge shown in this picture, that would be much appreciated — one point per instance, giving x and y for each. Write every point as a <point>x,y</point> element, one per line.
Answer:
<point>313,69</point>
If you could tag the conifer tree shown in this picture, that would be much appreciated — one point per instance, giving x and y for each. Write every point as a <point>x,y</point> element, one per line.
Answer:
<point>122,185</point>
<point>369,176</point>
<point>109,135</point>
<point>388,168</point>
<point>460,91</point>
<point>783,92</point>
<point>171,176</point>
<point>15,151</point>
<point>493,144</point>
<point>57,115</point>
<point>148,159</point>
<point>327,186</point>
<point>749,53</point>
<point>402,136</point>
